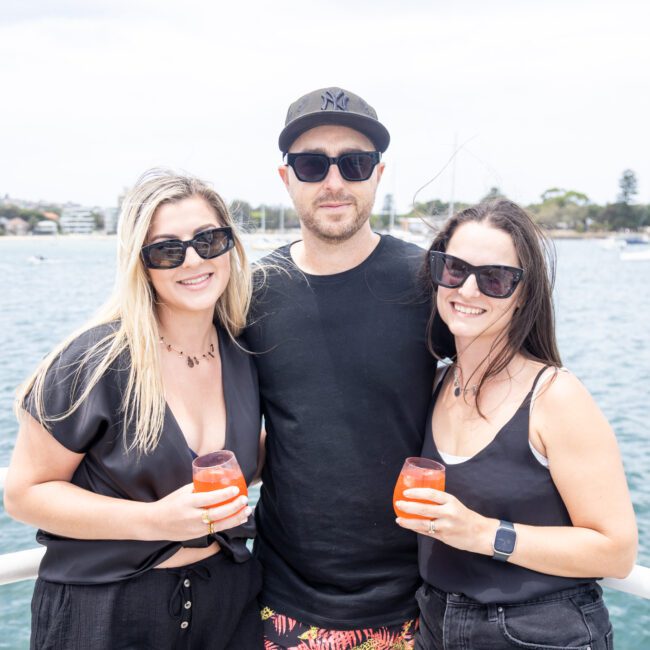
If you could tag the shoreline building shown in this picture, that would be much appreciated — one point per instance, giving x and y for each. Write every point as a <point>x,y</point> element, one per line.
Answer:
<point>45,227</point>
<point>77,219</point>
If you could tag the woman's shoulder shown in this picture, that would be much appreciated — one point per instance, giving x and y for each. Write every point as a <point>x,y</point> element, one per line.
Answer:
<point>92,337</point>
<point>557,386</point>
<point>564,407</point>
<point>87,345</point>
<point>84,353</point>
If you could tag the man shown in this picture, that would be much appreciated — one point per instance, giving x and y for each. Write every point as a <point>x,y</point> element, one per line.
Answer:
<point>338,327</point>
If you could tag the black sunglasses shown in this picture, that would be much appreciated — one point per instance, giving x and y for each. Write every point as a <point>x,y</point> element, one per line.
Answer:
<point>314,167</point>
<point>493,280</point>
<point>170,253</point>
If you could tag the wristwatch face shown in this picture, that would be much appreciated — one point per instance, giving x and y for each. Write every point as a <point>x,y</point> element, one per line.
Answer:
<point>504,540</point>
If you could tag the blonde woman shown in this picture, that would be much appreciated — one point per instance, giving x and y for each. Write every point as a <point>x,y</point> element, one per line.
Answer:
<point>109,424</point>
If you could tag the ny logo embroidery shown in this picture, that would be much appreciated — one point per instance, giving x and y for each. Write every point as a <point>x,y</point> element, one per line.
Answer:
<point>339,101</point>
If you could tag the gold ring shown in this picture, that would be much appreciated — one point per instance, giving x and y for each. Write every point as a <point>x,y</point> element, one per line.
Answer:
<point>205,517</point>
<point>432,527</point>
<point>211,529</point>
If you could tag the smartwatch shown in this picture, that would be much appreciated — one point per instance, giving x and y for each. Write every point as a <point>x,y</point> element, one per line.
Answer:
<point>504,541</point>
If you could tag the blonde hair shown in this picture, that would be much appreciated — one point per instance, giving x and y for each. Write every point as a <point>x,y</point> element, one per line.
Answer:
<point>131,308</point>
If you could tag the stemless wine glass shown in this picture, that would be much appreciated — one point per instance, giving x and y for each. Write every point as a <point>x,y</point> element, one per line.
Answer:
<point>216,471</point>
<point>417,473</point>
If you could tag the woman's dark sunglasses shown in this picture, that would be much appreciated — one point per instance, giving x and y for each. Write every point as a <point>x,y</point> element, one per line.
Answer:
<point>170,253</point>
<point>314,167</point>
<point>492,279</point>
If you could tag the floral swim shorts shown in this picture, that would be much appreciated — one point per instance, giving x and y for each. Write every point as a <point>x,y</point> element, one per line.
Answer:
<point>285,633</point>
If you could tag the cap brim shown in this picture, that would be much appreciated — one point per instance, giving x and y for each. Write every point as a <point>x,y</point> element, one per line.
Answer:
<point>373,129</point>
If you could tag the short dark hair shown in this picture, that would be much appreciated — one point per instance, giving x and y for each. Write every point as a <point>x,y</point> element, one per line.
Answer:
<point>532,328</point>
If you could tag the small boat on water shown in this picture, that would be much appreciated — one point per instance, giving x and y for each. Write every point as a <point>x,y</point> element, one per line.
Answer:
<point>620,242</point>
<point>36,259</point>
<point>637,240</point>
<point>638,254</point>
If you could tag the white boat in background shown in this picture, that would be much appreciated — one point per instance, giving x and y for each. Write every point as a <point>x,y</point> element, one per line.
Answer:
<point>612,243</point>
<point>621,242</point>
<point>635,254</point>
<point>631,246</point>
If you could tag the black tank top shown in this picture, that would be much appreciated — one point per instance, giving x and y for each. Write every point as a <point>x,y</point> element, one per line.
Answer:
<point>505,481</point>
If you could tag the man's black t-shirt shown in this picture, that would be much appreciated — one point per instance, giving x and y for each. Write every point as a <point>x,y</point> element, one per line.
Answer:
<point>345,381</point>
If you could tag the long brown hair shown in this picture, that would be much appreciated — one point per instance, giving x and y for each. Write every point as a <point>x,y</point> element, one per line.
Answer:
<point>531,331</point>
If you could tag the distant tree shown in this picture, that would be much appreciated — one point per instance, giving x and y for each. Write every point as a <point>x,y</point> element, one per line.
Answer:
<point>644,215</point>
<point>10,211</point>
<point>50,207</point>
<point>628,185</point>
<point>617,216</point>
<point>433,208</point>
<point>594,216</point>
<point>564,197</point>
<point>562,208</point>
<point>98,218</point>
<point>31,216</point>
<point>494,193</point>
<point>271,217</point>
<point>622,215</point>
<point>380,221</point>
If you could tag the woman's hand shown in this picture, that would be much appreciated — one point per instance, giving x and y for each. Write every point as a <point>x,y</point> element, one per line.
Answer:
<point>183,514</point>
<point>448,520</point>
<point>38,492</point>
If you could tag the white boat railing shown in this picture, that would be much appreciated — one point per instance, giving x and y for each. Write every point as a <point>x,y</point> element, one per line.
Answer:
<point>23,565</point>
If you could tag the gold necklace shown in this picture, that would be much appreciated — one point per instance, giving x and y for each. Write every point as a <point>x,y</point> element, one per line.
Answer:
<point>191,359</point>
<point>458,387</point>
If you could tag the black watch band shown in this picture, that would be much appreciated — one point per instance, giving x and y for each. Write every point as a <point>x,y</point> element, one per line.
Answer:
<point>504,541</point>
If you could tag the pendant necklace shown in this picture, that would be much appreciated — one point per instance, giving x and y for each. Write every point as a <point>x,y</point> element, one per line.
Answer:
<point>458,387</point>
<point>191,359</point>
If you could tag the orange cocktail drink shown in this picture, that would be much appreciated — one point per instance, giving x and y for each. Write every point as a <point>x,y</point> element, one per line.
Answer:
<point>418,473</point>
<point>217,471</point>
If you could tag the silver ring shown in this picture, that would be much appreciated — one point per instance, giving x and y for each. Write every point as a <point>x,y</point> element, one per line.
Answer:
<point>432,527</point>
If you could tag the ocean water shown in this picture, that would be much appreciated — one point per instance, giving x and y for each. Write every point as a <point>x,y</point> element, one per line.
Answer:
<point>603,311</point>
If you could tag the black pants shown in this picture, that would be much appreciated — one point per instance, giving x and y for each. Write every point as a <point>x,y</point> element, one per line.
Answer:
<point>209,605</point>
<point>572,619</point>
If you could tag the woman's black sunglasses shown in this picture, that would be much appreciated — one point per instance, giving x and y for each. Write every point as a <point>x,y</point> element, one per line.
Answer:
<point>170,253</point>
<point>314,167</point>
<point>493,280</point>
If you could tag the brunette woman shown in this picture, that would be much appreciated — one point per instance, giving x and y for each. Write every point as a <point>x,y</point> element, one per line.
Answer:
<point>536,505</point>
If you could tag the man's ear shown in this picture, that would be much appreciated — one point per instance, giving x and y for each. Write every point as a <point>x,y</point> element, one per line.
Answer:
<point>380,170</point>
<point>283,170</point>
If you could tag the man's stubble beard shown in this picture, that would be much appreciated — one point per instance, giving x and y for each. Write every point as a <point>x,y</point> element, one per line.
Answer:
<point>333,232</point>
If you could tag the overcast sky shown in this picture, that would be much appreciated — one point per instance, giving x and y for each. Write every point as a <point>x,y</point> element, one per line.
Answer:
<point>544,94</point>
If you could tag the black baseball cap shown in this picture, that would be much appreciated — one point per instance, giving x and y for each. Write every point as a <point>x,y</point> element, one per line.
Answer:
<point>332,106</point>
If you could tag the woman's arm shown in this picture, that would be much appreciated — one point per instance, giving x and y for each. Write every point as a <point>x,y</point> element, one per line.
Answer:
<point>38,492</point>
<point>586,468</point>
